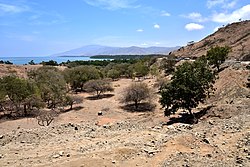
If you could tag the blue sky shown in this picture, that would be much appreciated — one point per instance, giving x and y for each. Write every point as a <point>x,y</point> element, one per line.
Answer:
<point>45,27</point>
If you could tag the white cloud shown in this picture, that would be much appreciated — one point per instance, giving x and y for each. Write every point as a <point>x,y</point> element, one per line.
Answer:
<point>194,26</point>
<point>112,4</point>
<point>157,26</point>
<point>242,13</point>
<point>6,8</point>
<point>223,3</point>
<point>195,16</point>
<point>164,13</point>
<point>140,30</point>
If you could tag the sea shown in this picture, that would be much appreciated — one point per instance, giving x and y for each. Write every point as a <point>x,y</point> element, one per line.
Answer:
<point>25,60</point>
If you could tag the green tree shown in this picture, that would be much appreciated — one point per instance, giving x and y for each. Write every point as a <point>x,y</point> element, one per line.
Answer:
<point>114,74</point>
<point>190,85</point>
<point>168,64</point>
<point>71,100</point>
<point>140,69</point>
<point>19,91</point>
<point>98,86</point>
<point>51,83</point>
<point>79,75</point>
<point>217,55</point>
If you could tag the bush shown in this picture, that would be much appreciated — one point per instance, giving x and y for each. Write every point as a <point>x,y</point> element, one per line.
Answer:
<point>136,93</point>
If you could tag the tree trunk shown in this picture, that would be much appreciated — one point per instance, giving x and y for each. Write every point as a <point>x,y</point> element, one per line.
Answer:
<point>25,110</point>
<point>136,105</point>
<point>195,120</point>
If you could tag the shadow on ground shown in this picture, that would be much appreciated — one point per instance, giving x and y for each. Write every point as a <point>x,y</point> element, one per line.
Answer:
<point>187,118</point>
<point>100,97</point>
<point>142,107</point>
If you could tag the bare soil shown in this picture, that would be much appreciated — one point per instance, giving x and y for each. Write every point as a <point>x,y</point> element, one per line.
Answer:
<point>81,138</point>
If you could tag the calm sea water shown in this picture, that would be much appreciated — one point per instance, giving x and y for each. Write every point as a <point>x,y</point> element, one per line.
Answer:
<point>25,60</point>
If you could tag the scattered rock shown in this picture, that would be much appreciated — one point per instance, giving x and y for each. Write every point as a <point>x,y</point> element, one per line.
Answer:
<point>100,113</point>
<point>151,151</point>
<point>1,136</point>
<point>210,122</point>
<point>206,141</point>
<point>239,160</point>
<point>56,156</point>
<point>1,156</point>
<point>61,153</point>
<point>113,162</point>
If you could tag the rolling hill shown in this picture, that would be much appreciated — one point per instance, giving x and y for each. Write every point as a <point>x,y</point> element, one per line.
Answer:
<point>235,35</point>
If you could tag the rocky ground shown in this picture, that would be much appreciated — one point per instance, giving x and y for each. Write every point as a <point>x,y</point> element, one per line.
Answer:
<point>81,138</point>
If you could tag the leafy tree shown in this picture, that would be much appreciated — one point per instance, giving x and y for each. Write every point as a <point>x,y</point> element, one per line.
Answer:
<point>51,84</point>
<point>71,100</point>
<point>114,74</point>
<point>18,91</point>
<point>140,69</point>
<point>190,85</point>
<point>217,55</point>
<point>77,76</point>
<point>168,64</point>
<point>99,86</point>
<point>136,93</point>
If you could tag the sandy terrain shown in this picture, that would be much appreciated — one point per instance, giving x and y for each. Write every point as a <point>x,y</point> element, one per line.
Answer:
<point>81,138</point>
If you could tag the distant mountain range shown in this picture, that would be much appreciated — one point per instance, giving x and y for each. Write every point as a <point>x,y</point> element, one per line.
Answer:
<point>92,50</point>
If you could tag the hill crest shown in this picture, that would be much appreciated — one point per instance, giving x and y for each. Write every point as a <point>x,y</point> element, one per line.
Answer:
<point>235,35</point>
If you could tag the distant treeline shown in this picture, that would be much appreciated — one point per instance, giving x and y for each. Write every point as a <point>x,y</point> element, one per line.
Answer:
<point>125,56</point>
<point>101,63</point>
<point>5,62</point>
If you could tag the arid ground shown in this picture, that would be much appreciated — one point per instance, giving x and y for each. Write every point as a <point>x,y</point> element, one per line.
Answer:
<point>81,138</point>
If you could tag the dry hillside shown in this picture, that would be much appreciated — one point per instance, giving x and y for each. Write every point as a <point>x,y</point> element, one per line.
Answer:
<point>235,35</point>
<point>81,138</point>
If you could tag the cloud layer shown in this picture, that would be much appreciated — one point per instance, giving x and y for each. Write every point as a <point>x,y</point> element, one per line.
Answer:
<point>193,26</point>
<point>242,13</point>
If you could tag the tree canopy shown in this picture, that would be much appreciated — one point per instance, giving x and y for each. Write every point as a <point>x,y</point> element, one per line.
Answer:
<point>190,85</point>
<point>136,93</point>
<point>217,55</point>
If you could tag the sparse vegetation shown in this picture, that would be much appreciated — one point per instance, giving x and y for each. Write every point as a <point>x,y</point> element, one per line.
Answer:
<point>136,93</point>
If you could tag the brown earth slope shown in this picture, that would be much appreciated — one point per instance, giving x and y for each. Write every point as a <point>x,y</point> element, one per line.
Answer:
<point>235,35</point>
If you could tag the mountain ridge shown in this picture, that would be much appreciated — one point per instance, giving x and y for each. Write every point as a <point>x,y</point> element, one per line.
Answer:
<point>92,50</point>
